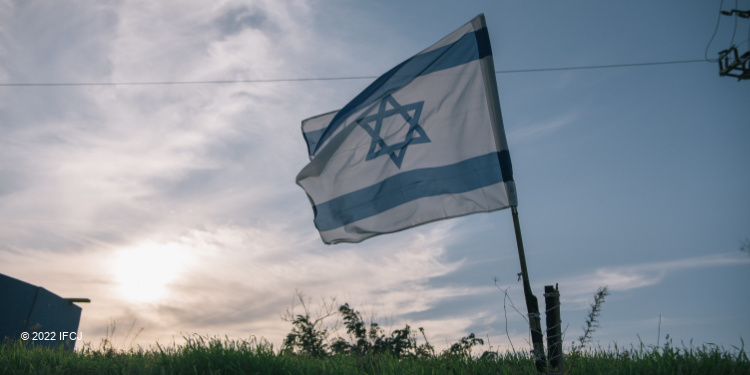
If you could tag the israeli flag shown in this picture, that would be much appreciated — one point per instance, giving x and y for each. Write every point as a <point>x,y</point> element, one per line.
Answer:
<point>424,142</point>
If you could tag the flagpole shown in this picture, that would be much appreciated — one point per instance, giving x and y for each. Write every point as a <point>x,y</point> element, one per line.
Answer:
<point>532,304</point>
<point>493,103</point>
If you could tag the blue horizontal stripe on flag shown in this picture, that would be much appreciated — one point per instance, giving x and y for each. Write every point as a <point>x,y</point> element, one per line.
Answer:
<point>312,138</point>
<point>505,165</point>
<point>464,176</point>
<point>470,47</point>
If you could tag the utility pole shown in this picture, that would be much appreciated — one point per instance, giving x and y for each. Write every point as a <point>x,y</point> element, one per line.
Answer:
<point>731,63</point>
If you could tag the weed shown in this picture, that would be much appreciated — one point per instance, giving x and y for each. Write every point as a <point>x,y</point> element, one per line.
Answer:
<point>591,324</point>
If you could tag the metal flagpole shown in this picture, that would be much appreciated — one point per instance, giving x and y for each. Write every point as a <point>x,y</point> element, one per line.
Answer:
<point>532,305</point>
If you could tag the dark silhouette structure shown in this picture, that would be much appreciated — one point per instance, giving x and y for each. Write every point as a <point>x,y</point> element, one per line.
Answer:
<point>34,314</point>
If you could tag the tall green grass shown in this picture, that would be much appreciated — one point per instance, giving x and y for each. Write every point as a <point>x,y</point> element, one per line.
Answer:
<point>206,355</point>
<point>308,350</point>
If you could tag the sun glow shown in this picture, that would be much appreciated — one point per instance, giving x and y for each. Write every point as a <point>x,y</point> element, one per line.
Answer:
<point>145,272</point>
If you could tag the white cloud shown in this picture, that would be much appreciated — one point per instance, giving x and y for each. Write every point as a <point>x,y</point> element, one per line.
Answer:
<point>201,173</point>
<point>204,174</point>
<point>112,161</point>
<point>237,280</point>
<point>625,278</point>
<point>525,129</point>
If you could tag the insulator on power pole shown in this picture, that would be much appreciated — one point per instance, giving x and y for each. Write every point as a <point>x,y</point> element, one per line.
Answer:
<point>733,65</point>
<point>730,62</point>
<point>740,13</point>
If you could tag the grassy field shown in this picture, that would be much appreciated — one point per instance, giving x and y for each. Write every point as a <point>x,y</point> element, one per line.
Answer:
<point>200,355</point>
<point>310,349</point>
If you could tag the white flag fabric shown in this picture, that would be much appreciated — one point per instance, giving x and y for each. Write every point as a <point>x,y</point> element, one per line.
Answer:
<point>424,142</point>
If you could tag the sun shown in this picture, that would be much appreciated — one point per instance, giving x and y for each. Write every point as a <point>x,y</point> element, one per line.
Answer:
<point>144,272</point>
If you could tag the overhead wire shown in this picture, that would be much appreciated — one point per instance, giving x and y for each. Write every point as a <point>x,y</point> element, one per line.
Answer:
<point>599,66</point>
<point>734,32</point>
<point>718,21</point>
<point>159,83</point>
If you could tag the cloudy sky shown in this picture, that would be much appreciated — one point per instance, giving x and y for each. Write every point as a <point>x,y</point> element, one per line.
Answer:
<point>172,204</point>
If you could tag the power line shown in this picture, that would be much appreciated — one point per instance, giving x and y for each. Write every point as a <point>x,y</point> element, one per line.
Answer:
<point>600,66</point>
<point>156,83</point>
<point>734,33</point>
<point>718,21</point>
<point>159,83</point>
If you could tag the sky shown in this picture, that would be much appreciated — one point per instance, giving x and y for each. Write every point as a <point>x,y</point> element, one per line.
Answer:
<point>173,205</point>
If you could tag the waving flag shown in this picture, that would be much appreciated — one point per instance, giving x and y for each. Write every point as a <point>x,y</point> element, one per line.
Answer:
<point>424,142</point>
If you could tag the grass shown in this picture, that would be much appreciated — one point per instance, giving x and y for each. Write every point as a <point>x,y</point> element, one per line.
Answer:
<point>372,352</point>
<point>202,355</point>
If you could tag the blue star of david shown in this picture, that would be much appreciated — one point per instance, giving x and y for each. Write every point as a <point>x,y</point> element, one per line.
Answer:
<point>378,146</point>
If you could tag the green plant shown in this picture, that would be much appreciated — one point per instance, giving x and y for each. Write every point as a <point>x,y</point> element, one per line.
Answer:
<point>372,340</point>
<point>307,336</point>
<point>591,324</point>
<point>109,342</point>
<point>592,321</point>
<point>213,355</point>
<point>463,347</point>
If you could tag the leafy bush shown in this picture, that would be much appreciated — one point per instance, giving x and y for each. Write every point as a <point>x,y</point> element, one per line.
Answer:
<point>308,338</point>
<point>305,337</point>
